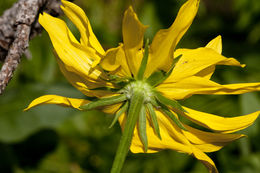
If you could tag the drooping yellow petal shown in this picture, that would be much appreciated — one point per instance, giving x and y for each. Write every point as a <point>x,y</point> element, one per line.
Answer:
<point>194,61</point>
<point>209,141</point>
<point>75,57</point>
<point>58,100</point>
<point>199,85</point>
<point>133,35</point>
<point>198,154</point>
<point>172,137</point>
<point>221,124</point>
<point>115,61</point>
<point>79,18</point>
<point>84,85</point>
<point>165,41</point>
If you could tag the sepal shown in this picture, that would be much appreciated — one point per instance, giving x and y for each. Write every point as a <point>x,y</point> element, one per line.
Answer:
<point>119,113</point>
<point>142,128</point>
<point>104,102</point>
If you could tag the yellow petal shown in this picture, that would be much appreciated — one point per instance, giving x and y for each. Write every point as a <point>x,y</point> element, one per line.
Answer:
<point>68,102</point>
<point>133,35</point>
<point>199,85</point>
<point>111,109</point>
<point>208,72</point>
<point>58,100</point>
<point>109,62</point>
<point>75,58</point>
<point>221,124</point>
<point>209,141</point>
<point>216,44</point>
<point>194,61</point>
<point>198,154</point>
<point>79,18</point>
<point>165,40</point>
<point>115,61</point>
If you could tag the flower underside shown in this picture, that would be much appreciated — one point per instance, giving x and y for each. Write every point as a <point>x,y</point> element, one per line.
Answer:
<point>125,91</point>
<point>140,85</point>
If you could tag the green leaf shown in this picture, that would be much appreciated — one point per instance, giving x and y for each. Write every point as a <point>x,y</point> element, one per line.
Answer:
<point>167,112</point>
<point>173,103</point>
<point>104,102</point>
<point>153,116</point>
<point>119,113</point>
<point>142,128</point>
<point>142,68</point>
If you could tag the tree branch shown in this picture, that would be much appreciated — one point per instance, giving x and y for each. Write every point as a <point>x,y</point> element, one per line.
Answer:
<point>17,26</point>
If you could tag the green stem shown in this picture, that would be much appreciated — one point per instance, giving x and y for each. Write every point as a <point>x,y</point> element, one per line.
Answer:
<point>136,104</point>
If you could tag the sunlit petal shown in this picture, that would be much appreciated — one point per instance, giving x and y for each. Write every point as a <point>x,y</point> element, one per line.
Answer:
<point>133,35</point>
<point>221,124</point>
<point>199,85</point>
<point>79,18</point>
<point>194,61</point>
<point>71,53</point>
<point>216,44</point>
<point>115,61</point>
<point>165,41</point>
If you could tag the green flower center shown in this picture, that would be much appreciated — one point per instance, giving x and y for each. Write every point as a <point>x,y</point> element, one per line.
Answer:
<point>140,87</point>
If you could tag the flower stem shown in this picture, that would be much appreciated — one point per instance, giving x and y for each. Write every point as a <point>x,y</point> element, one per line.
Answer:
<point>136,104</point>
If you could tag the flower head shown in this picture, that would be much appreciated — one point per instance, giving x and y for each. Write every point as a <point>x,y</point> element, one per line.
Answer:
<point>141,85</point>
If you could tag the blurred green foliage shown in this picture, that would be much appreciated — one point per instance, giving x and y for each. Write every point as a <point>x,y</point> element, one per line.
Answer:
<point>50,139</point>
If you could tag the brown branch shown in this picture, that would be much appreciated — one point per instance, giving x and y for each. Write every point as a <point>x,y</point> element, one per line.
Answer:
<point>17,26</point>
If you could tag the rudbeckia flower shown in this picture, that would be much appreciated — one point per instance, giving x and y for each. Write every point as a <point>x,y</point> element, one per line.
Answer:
<point>141,85</point>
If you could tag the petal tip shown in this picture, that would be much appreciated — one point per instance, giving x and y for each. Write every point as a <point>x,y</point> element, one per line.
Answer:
<point>44,17</point>
<point>219,38</point>
<point>64,2</point>
<point>130,9</point>
<point>26,109</point>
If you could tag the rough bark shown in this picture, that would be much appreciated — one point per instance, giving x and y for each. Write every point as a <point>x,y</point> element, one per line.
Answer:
<point>17,26</point>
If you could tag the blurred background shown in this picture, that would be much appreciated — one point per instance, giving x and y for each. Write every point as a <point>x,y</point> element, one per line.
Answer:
<point>53,139</point>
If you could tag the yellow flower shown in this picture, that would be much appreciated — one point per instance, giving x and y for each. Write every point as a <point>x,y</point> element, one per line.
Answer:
<point>169,75</point>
